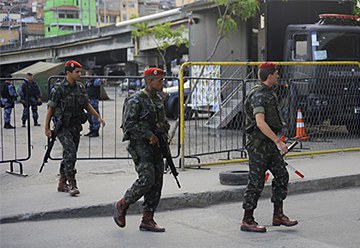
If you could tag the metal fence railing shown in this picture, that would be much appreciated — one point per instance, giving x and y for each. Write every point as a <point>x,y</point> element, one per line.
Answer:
<point>326,94</point>
<point>209,103</point>
<point>15,144</point>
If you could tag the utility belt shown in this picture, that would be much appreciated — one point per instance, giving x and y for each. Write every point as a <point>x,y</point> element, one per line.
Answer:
<point>70,119</point>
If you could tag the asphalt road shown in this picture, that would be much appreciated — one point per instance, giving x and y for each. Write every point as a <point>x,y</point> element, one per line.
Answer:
<point>326,219</point>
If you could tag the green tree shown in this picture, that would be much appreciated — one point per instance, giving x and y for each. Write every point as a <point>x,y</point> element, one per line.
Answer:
<point>163,35</point>
<point>356,8</point>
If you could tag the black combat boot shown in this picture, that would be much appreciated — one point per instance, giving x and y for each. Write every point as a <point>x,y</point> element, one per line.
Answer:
<point>24,124</point>
<point>120,209</point>
<point>7,125</point>
<point>94,133</point>
<point>36,124</point>
<point>90,132</point>
<point>148,223</point>
<point>249,224</point>
<point>279,218</point>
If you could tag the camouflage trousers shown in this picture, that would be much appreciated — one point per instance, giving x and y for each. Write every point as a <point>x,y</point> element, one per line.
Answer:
<point>265,156</point>
<point>69,138</point>
<point>149,165</point>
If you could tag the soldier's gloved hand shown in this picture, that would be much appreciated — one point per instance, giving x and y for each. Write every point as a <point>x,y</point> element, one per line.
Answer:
<point>39,103</point>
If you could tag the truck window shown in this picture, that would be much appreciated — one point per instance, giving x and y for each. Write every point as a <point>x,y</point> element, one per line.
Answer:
<point>336,45</point>
<point>299,52</point>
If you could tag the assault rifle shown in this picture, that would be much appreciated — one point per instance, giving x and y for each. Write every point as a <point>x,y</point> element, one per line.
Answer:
<point>164,146</point>
<point>51,142</point>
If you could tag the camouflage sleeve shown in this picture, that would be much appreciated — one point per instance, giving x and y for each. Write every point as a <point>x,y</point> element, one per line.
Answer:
<point>55,96</point>
<point>132,123</point>
<point>258,102</point>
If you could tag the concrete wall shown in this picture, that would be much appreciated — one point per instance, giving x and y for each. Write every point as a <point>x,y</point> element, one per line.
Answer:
<point>203,36</point>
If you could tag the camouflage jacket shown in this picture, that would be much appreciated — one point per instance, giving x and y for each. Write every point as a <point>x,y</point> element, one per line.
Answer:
<point>69,101</point>
<point>261,99</point>
<point>143,115</point>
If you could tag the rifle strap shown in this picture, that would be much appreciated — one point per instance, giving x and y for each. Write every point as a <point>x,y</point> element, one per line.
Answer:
<point>153,106</point>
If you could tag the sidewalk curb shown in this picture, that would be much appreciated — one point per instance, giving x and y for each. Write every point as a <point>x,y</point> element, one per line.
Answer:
<point>189,200</point>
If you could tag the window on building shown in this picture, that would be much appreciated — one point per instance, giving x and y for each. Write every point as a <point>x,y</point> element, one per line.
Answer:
<point>66,28</point>
<point>66,14</point>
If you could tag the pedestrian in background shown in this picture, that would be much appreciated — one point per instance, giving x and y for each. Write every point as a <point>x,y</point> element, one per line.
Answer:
<point>67,101</point>
<point>30,95</point>
<point>265,149</point>
<point>93,87</point>
<point>143,116</point>
<point>8,99</point>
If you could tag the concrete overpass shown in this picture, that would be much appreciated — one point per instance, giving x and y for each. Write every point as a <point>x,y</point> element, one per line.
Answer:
<point>100,46</point>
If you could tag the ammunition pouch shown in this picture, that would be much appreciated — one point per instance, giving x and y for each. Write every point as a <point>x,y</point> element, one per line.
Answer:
<point>83,117</point>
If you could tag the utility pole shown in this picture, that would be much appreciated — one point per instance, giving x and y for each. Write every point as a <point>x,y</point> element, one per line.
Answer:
<point>104,11</point>
<point>21,33</point>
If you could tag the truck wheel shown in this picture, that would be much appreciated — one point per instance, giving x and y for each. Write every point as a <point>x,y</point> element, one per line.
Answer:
<point>234,177</point>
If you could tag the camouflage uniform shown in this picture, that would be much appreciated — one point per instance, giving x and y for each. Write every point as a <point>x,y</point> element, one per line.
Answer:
<point>32,91</point>
<point>143,115</point>
<point>263,153</point>
<point>69,102</point>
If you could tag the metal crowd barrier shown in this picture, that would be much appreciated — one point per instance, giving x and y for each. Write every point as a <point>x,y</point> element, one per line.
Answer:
<point>15,144</point>
<point>326,95</point>
<point>109,144</point>
<point>210,128</point>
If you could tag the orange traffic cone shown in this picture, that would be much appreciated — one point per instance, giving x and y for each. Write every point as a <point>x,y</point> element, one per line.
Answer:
<point>300,127</point>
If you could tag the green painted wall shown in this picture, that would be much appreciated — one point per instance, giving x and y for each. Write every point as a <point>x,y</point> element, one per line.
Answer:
<point>61,22</point>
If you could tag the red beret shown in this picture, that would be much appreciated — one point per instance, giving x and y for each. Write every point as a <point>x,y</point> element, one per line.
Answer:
<point>153,72</point>
<point>73,63</point>
<point>268,65</point>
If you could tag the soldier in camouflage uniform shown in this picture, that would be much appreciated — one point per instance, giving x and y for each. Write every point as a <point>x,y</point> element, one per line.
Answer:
<point>67,101</point>
<point>143,116</point>
<point>265,149</point>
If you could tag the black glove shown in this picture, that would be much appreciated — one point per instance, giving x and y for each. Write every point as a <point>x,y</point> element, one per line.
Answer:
<point>39,103</point>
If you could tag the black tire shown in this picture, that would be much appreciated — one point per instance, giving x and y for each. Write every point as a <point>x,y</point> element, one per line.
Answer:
<point>234,177</point>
